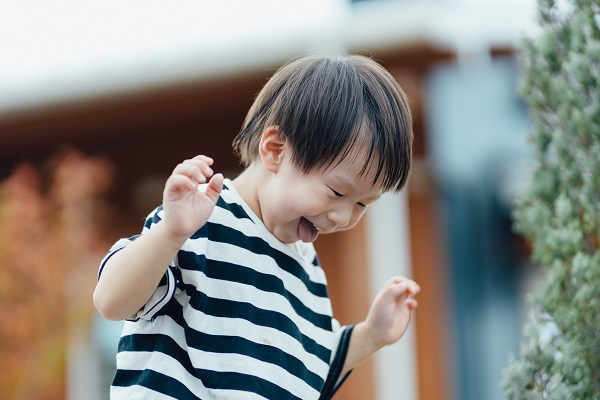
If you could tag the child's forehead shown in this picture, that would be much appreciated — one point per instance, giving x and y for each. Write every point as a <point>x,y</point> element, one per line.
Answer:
<point>358,166</point>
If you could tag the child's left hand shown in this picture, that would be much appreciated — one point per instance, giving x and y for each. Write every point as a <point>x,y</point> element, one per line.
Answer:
<point>391,310</point>
<point>386,322</point>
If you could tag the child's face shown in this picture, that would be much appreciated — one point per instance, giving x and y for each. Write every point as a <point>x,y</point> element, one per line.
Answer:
<point>296,206</point>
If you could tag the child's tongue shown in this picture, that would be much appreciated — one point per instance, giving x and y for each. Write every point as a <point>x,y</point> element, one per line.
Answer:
<point>307,231</point>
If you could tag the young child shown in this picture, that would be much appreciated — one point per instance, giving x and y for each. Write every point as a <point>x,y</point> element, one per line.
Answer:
<point>223,292</point>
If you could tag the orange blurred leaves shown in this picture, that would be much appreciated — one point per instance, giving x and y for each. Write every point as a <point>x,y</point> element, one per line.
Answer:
<point>51,240</point>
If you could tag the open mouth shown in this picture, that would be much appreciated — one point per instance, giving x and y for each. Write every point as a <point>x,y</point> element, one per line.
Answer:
<point>307,231</point>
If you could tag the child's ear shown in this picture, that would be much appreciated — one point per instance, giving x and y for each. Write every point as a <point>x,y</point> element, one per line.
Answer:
<point>271,148</point>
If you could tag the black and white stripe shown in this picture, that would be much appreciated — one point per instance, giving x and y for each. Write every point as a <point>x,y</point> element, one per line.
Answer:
<point>238,315</point>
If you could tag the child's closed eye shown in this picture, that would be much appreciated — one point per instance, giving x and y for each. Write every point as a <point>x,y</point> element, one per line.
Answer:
<point>337,194</point>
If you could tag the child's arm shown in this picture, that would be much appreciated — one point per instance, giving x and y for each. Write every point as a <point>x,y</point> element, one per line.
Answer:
<point>131,275</point>
<point>386,322</point>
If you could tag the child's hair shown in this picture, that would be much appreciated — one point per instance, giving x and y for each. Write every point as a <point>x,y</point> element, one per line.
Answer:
<point>325,106</point>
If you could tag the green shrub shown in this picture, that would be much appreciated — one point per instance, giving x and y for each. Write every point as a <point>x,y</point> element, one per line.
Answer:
<point>559,213</point>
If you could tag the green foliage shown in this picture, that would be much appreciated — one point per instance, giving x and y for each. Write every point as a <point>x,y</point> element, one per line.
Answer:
<point>559,213</point>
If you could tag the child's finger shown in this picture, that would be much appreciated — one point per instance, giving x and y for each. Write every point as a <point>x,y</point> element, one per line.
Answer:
<point>215,185</point>
<point>405,297</point>
<point>414,287</point>
<point>191,171</point>
<point>411,303</point>
<point>204,158</point>
<point>411,285</point>
<point>202,162</point>
<point>179,182</point>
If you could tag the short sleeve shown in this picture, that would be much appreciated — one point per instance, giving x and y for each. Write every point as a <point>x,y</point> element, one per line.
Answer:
<point>335,379</point>
<point>168,284</point>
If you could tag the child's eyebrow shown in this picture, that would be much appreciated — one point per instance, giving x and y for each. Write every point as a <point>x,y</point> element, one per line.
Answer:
<point>343,182</point>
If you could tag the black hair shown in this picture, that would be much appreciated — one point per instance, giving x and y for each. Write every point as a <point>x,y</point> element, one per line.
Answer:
<point>325,106</point>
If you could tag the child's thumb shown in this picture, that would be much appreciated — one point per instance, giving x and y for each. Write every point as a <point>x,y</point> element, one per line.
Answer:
<point>215,185</point>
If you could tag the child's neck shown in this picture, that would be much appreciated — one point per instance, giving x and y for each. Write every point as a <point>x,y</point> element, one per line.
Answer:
<point>246,185</point>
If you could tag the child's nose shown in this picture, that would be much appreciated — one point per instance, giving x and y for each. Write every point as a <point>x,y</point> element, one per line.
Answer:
<point>340,216</point>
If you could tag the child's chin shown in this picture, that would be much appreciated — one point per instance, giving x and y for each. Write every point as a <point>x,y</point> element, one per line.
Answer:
<point>287,239</point>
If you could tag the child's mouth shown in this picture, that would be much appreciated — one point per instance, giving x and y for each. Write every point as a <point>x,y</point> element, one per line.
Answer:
<point>307,230</point>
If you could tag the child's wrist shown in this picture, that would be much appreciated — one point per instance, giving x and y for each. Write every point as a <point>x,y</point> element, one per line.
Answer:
<point>172,240</point>
<point>370,337</point>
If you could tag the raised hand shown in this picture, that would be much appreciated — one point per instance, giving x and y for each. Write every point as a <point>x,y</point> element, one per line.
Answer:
<point>391,310</point>
<point>186,208</point>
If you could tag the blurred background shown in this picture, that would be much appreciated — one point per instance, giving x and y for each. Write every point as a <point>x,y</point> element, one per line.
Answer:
<point>100,100</point>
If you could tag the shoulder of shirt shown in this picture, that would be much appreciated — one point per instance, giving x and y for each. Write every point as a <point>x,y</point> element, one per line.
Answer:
<point>228,198</point>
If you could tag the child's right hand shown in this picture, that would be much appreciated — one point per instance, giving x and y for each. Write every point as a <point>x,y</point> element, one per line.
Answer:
<point>143,262</point>
<point>186,208</point>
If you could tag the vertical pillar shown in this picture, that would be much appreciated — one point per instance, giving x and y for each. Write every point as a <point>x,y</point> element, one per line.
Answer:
<point>389,255</point>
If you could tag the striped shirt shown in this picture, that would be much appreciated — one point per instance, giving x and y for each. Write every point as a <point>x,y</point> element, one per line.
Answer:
<point>238,315</point>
